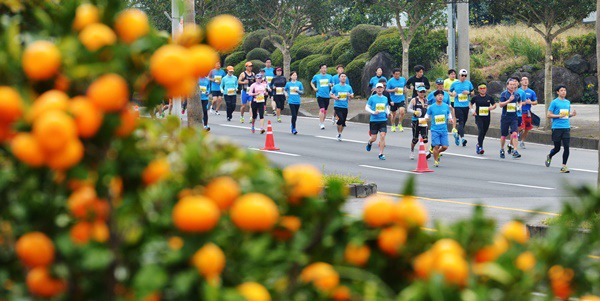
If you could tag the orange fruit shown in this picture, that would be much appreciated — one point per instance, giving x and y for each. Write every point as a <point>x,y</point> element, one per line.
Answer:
<point>101,209</point>
<point>85,15</point>
<point>41,284</point>
<point>100,231</point>
<point>391,240</point>
<point>62,83</point>
<point>49,101</point>
<point>209,261</point>
<point>131,24</point>
<point>109,93</point>
<point>41,60</point>
<point>493,251</point>
<point>379,211</point>
<point>309,272</point>
<point>341,293</point>
<point>410,213</point>
<point>515,231</point>
<point>54,130</point>
<point>357,255</point>
<point>81,201</point>
<point>423,264</point>
<point>70,156</point>
<point>11,105</point>
<point>97,35</point>
<point>155,171</point>
<point>128,124</point>
<point>26,148</point>
<point>223,191</point>
<point>322,275</point>
<point>525,261</point>
<point>287,226</point>
<point>195,214</point>
<point>253,291</point>
<point>35,249</point>
<point>447,245</point>
<point>190,36</point>
<point>254,212</point>
<point>185,88</point>
<point>87,117</point>
<point>170,65</point>
<point>81,233</point>
<point>302,181</point>
<point>454,268</point>
<point>6,133</point>
<point>175,243</point>
<point>203,59</point>
<point>224,32</point>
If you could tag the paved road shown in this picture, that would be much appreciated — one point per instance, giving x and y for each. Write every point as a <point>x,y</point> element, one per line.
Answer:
<point>508,187</point>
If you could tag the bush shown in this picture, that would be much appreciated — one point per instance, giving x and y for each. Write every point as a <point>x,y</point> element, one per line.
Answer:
<point>354,71</point>
<point>584,44</point>
<point>522,46</point>
<point>235,58</point>
<point>330,44</point>
<point>387,31</point>
<point>268,45</point>
<point>310,65</point>
<point>277,58</point>
<point>258,54</point>
<point>294,66</point>
<point>341,48</point>
<point>253,40</point>
<point>387,43</point>
<point>344,59</point>
<point>362,36</point>
<point>256,66</point>
<point>305,46</point>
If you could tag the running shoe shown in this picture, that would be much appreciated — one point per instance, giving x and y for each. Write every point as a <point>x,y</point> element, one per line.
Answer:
<point>400,128</point>
<point>333,119</point>
<point>502,156</point>
<point>510,149</point>
<point>339,137</point>
<point>207,128</point>
<point>381,157</point>
<point>393,128</point>
<point>294,131</point>
<point>431,149</point>
<point>262,131</point>
<point>322,126</point>
<point>279,120</point>
<point>522,145</point>
<point>456,138</point>
<point>412,155</point>
<point>565,169</point>
<point>228,118</point>
<point>481,151</point>
<point>274,113</point>
<point>162,115</point>
<point>428,155</point>
<point>212,111</point>
<point>241,119</point>
<point>436,163</point>
<point>252,130</point>
<point>548,160</point>
<point>369,145</point>
<point>217,112</point>
<point>477,149</point>
<point>516,155</point>
<point>182,111</point>
<point>464,142</point>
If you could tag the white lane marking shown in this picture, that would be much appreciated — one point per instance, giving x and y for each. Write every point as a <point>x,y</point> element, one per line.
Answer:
<point>389,169</point>
<point>521,185</point>
<point>236,126</point>
<point>343,140</point>
<point>584,170</point>
<point>274,152</point>
<point>466,156</point>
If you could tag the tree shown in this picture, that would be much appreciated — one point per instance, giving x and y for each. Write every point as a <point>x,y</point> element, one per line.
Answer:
<point>549,18</point>
<point>598,65</point>
<point>345,17</point>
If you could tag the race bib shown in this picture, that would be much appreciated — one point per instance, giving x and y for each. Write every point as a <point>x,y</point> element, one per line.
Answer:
<point>279,90</point>
<point>463,97</point>
<point>439,119</point>
<point>230,91</point>
<point>324,82</point>
<point>511,107</point>
<point>217,78</point>
<point>294,90</point>
<point>422,122</point>
<point>380,107</point>
<point>260,98</point>
<point>564,113</point>
<point>203,89</point>
<point>269,79</point>
<point>399,91</point>
<point>484,111</point>
<point>343,95</point>
<point>420,84</point>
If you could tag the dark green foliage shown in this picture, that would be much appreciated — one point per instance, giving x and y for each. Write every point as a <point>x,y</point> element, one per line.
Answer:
<point>354,71</point>
<point>253,39</point>
<point>342,47</point>
<point>584,45</point>
<point>277,58</point>
<point>268,45</point>
<point>310,65</point>
<point>330,44</point>
<point>387,31</point>
<point>344,59</point>
<point>235,58</point>
<point>257,65</point>
<point>362,36</point>
<point>294,66</point>
<point>305,46</point>
<point>258,54</point>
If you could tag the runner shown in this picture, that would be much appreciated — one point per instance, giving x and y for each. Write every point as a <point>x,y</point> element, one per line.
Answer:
<point>324,83</point>
<point>448,83</point>
<point>510,102</point>
<point>215,77</point>
<point>336,80</point>
<point>529,98</point>
<point>439,113</point>
<point>417,107</point>
<point>269,75</point>
<point>246,79</point>
<point>378,106</point>
<point>462,90</point>
<point>278,85</point>
<point>482,104</point>
<point>396,87</point>
<point>560,112</point>
<point>418,80</point>
<point>203,90</point>
<point>258,89</point>
<point>376,79</point>
<point>229,85</point>
<point>341,93</point>
<point>294,88</point>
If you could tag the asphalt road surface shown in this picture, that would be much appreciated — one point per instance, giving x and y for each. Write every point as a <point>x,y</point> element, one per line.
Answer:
<point>508,188</point>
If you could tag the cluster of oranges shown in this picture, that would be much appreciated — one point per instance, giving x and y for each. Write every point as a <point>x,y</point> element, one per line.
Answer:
<point>36,252</point>
<point>91,214</point>
<point>325,279</point>
<point>560,280</point>
<point>446,257</point>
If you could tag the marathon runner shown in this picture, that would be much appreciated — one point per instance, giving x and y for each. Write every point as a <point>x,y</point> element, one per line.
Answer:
<point>480,106</point>
<point>418,80</point>
<point>294,88</point>
<point>528,99</point>
<point>278,85</point>
<point>439,113</point>
<point>379,108</point>
<point>269,75</point>
<point>461,90</point>
<point>246,79</point>
<point>510,102</point>
<point>448,83</point>
<point>203,90</point>
<point>258,89</point>
<point>229,85</point>
<point>336,80</point>
<point>560,112</point>
<point>215,77</point>
<point>376,79</point>
<point>322,83</point>
<point>396,87</point>
<point>417,108</point>
<point>341,93</point>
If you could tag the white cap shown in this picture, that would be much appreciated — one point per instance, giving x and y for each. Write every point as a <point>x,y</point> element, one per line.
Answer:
<point>463,71</point>
<point>379,85</point>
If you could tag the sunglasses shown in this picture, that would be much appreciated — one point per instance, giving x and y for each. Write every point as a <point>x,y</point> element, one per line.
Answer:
<point>249,66</point>
<point>463,75</point>
<point>421,91</point>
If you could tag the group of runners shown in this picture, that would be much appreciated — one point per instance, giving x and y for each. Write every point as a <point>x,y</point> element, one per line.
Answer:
<point>451,102</point>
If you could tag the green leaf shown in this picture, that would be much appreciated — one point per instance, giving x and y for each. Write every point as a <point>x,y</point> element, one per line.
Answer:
<point>150,278</point>
<point>95,258</point>
<point>182,283</point>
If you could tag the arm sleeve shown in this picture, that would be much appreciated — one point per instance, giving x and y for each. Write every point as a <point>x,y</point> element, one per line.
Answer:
<point>426,81</point>
<point>410,108</point>
<point>428,113</point>
<point>368,108</point>
<point>449,115</point>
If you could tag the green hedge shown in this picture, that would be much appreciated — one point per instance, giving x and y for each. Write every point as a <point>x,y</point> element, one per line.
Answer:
<point>258,54</point>
<point>390,43</point>
<point>311,67</point>
<point>277,58</point>
<point>344,59</point>
<point>268,45</point>
<point>256,66</point>
<point>341,48</point>
<point>387,31</point>
<point>253,39</point>
<point>354,71</point>
<point>330,44</point>
<point>362,36</point>
<point>303,70</point>
<point>235,58</point>
<point>305,46</point>
<point>584,45</point>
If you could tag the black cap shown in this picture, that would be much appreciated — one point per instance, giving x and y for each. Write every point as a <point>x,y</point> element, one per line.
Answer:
<point>438,92</point>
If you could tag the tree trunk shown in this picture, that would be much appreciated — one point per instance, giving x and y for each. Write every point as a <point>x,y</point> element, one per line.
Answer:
<point>194,105</point>
<point>405,48</point>
<point>287,60</point>
<point>598,74</point>
<point>548,81</point>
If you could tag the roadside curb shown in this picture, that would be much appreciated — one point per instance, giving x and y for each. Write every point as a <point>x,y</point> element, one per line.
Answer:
<point>539,230</point>
<point>362,190</point>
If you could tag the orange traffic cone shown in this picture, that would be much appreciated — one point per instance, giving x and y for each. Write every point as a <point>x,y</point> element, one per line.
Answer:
<point>269,142</point>
<point>422,163</point>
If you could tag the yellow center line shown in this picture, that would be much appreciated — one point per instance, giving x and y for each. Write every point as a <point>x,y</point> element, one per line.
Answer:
<point>473,205</point>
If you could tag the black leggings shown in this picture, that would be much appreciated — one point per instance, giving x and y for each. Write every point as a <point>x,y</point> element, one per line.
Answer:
<point>565,141</point>
<point>230,103</point>
<point>205,112</point>
<point>294,109</point>
<point>483,124</point>
<point>462,114</point>
<point>258,108</point>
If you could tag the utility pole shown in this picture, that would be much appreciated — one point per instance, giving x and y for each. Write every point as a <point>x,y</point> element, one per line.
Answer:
<point>451,36</point>
<point>598,64</point>
<point>462,26</point>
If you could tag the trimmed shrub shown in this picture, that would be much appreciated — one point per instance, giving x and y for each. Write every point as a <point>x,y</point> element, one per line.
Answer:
<point>303,52</point>
<point>295,65</point>
<point>235,58</point>
<point>331,70</point>
<point>310,65</point>
<point>362,36</point>
<point>306,46</point>
<point>268,45</point>
<point>426,52</point>
<point>387,31</point>
<point>341,48</point>
<point>253,39</point>
<point>584,44</point>
<point>388,43</point>
<point>354,71</point>
<point>330,44</point>
<point>303,70</point>
<point>277,58</point>
<point>256,66</point>
<point>258,54</point>
<point>344,59</point>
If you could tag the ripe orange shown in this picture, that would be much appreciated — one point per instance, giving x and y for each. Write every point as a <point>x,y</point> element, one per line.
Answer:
<point>525,261</point>
<point>209,261</point>
<point>41,60</point>
<point>68,157</point>
<point>190,36</point>
<point>589,298</point>
<point>185,88</point>
<point>54,130</point>
<point>129,119</point>
<point>85,14</point>
<point>131,24</point>
<point>175,243</point>
<point>410,213</point>
<point>391,240</point>
<point>341,293</point>
<point>493,251</point>
<point>101,209</point>
<point>253,291</point>
<point>81,201</point>
<point>454,268</point>
<point>287,227</point>
<point>27,150</point>
<point>87,117</point>
<point>170,64</point>
<point>155,171</point>
<point>41,284</point>
<point>515,231</point>
<point>195,214</point>
<point>224,32</point>
<point>379,211</point>
<point>223,191</point>
<point>11,105</point>
<point>35,249</point>
<point>203,59</point>
<point>357,254</point>
<point>97,35</point>
<point>447,245</point>
<point>423,264</point>
<point>109,93</point>
<point>322,275</point>
<point>100,231</point>
<point>49,101</point>
<point>81,233</point>
<point>62,83</point>
<point>302,181</point>
<point>254,212</point>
